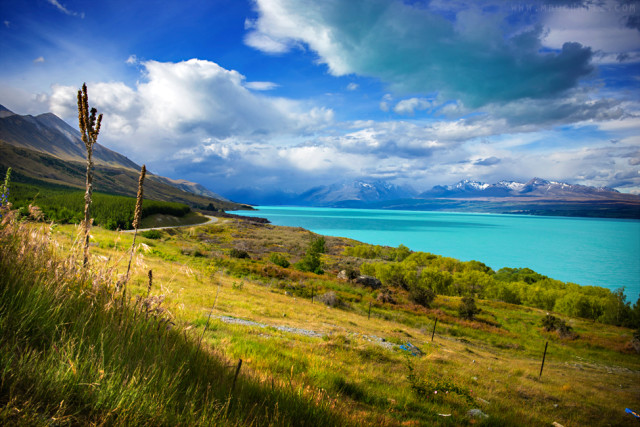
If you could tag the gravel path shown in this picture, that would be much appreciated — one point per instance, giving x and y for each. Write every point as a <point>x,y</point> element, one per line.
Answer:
<point>305,332</point>
<point>211,220</point>
<point>298,331</point>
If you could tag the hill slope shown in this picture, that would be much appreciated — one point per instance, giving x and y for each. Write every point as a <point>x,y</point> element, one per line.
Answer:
<point>33,167</point>
<point>52,136</point>
<point>46,148</point>
<point>49,134</point>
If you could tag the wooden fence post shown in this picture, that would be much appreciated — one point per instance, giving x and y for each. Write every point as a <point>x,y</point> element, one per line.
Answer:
<point>434,329</point>
<point>543,357</point>
<point>233,385</point>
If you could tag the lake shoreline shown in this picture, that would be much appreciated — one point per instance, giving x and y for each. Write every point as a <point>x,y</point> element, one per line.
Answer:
<point>586,251</point>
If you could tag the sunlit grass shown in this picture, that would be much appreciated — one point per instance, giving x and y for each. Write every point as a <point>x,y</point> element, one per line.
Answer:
<point>585,381</point>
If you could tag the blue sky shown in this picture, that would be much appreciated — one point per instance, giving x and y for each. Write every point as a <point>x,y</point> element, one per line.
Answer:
<point>291,94</point>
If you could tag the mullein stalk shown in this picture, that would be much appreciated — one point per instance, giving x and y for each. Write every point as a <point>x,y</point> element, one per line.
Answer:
<point>89,130</point>
<point>4,198</point>
<point>137,216</point>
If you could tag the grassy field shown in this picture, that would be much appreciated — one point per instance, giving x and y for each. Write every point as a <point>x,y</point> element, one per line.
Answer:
<point>305,361</point>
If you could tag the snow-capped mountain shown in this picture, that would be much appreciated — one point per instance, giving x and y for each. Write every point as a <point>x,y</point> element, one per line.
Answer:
<point>344,193</point>
<point>536,187</point>
<point>362,191</point>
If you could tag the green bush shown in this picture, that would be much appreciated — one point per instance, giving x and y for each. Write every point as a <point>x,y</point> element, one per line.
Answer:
<point>279,259</point>
<point>317,245</point>
<point>422,295</point>
<point>239,253</point>
<point>552,323</point>
<point>152,234</point>
<point>467,308</point>
<point>311,262</point>
<point>66,205</point>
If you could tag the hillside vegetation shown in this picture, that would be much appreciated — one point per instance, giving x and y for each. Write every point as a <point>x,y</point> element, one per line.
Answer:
<point>43,170</point>
<point>74,352</point>
<point>65,205</point>
<point>316,349</point>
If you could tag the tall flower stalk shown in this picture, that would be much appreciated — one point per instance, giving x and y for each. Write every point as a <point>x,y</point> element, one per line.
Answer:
<point>89,130</point>
<point>137,216</point>
<point>4,192</point>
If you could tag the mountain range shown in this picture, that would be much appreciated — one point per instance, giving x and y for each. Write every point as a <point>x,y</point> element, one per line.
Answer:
<point>536,187</point>
<point>536,196</point>
<point>45,148</point>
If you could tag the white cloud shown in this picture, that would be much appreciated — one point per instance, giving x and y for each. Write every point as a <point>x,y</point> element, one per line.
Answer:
<point>601,27</point>
<point>265,43</point>
<point>352,86</point>
<point>132,60</point>
<point>411,105</point>
<point>64,10</point>
<point>199,121</point>
<point>177,105</point>
<point>261,85</point>
<point>38,60</point>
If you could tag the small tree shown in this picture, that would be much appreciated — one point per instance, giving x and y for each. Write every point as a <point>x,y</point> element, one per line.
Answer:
<point>311,260</point>
<point>422,295</point>
<point>467,308</point>
<point>89,130</point>
<point>317,245</point>
<point>279,259</point>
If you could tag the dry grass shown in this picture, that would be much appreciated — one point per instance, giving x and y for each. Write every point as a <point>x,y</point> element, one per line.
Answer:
<point>587,381</point>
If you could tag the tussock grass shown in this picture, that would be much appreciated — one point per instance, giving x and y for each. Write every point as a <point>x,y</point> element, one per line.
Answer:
<point>72,352</point>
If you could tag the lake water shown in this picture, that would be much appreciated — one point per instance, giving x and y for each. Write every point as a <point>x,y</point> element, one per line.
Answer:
<point>587,251</point>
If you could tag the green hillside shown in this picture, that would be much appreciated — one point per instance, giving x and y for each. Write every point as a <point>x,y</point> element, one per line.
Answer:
<point>316,349</point>
<point>36,168</point>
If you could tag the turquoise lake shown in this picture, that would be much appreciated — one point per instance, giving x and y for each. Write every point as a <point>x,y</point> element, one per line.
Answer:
<point>587,251</point>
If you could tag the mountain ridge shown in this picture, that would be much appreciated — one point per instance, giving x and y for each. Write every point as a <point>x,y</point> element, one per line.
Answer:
<point>535,197</point>
<point>45,148</point>
<point>535,187</point>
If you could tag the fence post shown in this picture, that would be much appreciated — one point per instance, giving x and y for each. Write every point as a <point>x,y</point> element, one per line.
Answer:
<point>369,316</point>
<point>434,329</point>
<point>543,357</point>
<point>233,385</point>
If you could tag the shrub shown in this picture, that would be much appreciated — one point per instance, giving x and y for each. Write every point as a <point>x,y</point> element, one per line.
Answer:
<point>152,234</point>
<point>549,322</point>
<point>351,273</point>
<point>317,245</point>
<point>421,295</point>
<point>239,253</point>
<point>331,299</point>
<point>279,259</point>
<point>385,296</point>
<point>111,224</point>
<point>552,323</point>
<point>467,308</point>
<point>311,262</point>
